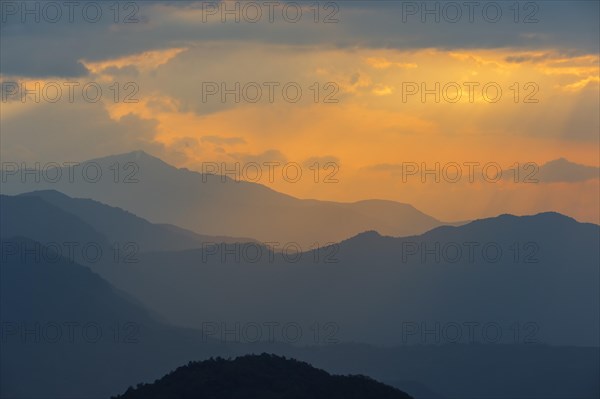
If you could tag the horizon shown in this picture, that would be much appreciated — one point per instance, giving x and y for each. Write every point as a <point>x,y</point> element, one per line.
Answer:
<point>236,176</point>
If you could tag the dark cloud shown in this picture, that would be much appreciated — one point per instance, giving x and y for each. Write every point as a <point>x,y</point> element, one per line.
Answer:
<point>55,49</point>
<point>519,59</point>
<point>129,71</point>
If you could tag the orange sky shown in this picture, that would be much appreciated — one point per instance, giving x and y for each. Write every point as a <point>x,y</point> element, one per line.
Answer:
<point>374,124</point>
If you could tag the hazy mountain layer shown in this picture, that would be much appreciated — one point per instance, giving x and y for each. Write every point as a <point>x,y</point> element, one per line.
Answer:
<point>217,205</point>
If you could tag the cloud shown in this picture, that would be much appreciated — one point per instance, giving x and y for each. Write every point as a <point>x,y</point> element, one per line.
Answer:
<point>223,140</point>
<point>56,49</point>
<point>534,58</point>
<point>380,90</point>
<point>385,167</point>
<point>73,132</point>
<point>322,161</point>
<point>271,155</point>
<point>383,63</point>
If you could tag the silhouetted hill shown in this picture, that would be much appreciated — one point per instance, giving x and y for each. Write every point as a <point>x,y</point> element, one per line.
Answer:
<point>217,205</point>
<point>260,376</point>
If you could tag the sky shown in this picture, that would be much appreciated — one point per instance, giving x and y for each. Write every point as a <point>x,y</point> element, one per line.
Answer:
<point>462,109</point>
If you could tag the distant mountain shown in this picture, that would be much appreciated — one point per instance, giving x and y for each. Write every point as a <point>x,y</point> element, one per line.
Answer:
<point>533,277</point>
<point>34,218</point>
<point>549,263</point>
<point>218,205</point>
<point>468,371</point>
<point>75,336</point>
<point>122,226</point>
<point>57,315</point>
<point>260,376</point>
<point>53,287</point>
<point>90,232</point>
<point>63,326</point>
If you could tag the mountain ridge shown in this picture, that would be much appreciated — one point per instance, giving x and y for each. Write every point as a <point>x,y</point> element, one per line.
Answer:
<point>209,205</point>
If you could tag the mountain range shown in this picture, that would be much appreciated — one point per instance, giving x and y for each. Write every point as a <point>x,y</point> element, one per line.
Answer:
<point>534,277</point>
<point>217,205</point>
<point>57,316</point>
<point>389,292</point>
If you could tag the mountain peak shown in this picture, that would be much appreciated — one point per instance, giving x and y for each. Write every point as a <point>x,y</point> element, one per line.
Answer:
<point>141,154</point>
<point>139,157</point>
<point>137,154</point>
<point>366,236</point>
